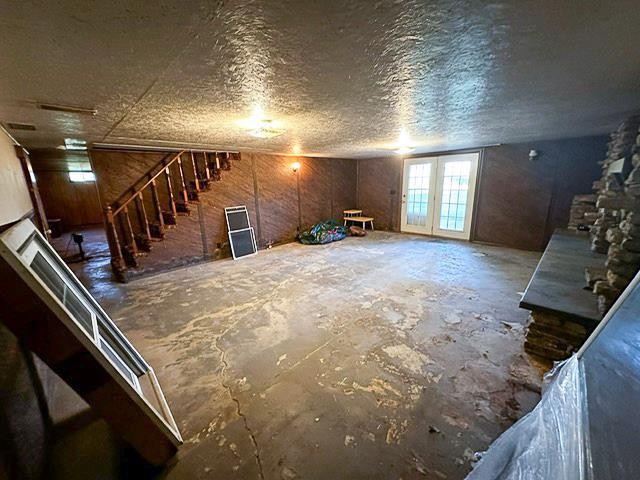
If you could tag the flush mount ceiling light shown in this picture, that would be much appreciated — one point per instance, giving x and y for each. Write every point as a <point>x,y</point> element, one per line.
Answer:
<point>404,145</point>
<point>74,144</point>
<point>260,127</point>
<point>266,129</point>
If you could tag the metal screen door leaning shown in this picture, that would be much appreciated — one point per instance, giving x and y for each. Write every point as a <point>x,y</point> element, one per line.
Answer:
<point>241,235</point>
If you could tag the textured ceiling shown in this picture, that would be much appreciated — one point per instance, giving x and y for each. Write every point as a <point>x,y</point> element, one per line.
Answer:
<point>343,77</point>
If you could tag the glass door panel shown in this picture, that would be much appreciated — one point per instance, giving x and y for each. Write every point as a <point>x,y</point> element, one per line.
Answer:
<point>417,195</point>
<point>455,189</point>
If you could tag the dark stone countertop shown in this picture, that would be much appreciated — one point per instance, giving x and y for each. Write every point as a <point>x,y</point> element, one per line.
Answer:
<point>557,285</point>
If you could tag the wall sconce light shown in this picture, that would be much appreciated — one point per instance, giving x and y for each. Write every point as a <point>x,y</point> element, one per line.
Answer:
<point>295,166</point>
<point>533,155</point>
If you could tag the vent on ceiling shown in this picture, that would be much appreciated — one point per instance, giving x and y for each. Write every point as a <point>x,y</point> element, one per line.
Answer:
<point>21,126</point>
<point>67,109</point>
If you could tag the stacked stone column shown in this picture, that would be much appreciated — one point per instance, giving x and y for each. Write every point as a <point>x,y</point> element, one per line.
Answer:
<point>619,211</point>
<point>610,188</point>
<point>583,211</point>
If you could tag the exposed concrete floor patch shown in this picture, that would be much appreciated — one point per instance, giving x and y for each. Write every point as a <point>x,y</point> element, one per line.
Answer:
<point>389,356</point>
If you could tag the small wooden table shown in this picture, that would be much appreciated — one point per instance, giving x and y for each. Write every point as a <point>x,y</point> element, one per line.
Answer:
<point>352,213</point>
<point>363,220</point>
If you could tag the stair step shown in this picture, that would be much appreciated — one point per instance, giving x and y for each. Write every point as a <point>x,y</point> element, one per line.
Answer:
<point>182,208</point>
<point>157,232</point>
<point>143,243</point>
<point>129,258</point>
<point>169,218</point>
<point>204,184</point>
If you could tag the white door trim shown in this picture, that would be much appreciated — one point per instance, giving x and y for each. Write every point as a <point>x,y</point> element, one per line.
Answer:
<point>436,181</point>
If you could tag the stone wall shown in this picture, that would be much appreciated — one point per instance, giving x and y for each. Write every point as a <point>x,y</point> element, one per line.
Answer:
<point>617,229</point>
<point>583,213</point>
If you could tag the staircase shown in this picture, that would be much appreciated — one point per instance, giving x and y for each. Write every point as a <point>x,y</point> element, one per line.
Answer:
<point>147,211</point>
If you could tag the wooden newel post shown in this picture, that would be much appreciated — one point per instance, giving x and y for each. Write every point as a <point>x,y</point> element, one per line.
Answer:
<point>117,260</point>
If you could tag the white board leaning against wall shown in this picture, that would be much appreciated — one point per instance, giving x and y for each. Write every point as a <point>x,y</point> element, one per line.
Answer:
<point>15,202</point>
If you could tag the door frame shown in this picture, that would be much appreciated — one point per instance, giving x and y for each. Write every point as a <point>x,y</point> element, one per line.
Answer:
<point>404,227</point>
<point>473,191</point>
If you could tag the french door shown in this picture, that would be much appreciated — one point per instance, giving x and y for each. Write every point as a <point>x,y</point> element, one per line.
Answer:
<point>438,193</point>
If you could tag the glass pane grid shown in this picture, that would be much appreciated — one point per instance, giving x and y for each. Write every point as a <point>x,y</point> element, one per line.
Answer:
<point>455,189</point>
<point>418,194</point>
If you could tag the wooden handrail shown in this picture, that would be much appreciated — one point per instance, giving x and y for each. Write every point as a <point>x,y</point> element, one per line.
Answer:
<point>118,208</point>
<point>127,239</point>
<point>132,188</point>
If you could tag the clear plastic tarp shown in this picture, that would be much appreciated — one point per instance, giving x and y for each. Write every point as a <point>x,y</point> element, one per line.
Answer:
<point>549,443</point>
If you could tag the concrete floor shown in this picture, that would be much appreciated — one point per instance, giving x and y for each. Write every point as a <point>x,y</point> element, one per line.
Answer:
<point>94,244</point>
<point>386,357</point>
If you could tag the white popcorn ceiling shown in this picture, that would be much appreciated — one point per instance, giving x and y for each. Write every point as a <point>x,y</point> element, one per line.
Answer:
<point>344,77</point>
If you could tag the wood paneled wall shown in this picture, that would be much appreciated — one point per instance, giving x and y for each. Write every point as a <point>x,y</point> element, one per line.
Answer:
<point>380,191</point>
<point>75,203</point>
<point>264,183</point>
<point>519,202</point>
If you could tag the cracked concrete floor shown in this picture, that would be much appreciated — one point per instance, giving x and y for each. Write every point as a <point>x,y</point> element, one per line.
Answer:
<point>386,357</point>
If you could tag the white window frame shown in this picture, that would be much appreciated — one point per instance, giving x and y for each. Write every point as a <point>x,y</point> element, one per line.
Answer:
<point>19,246</point>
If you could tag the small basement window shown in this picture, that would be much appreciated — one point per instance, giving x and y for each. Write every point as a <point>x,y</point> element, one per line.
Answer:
<point>82,177</point>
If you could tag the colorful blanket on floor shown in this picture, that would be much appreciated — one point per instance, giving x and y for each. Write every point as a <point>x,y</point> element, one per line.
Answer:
<point>323,232</point>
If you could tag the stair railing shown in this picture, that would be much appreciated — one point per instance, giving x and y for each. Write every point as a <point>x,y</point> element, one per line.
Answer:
<point>124,243</point>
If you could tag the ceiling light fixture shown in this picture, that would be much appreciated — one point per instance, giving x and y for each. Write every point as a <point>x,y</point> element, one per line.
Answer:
<point>404,145</point>
<point>261,127</point>
<point>266,129</point>
<point>74,144</point>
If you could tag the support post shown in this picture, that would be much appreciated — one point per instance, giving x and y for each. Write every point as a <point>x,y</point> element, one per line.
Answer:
<point>172,202</point>
<point>196,180</point>
<point>206,166</point>
<point>142,212</point>
<point>132,238</point>
<point>156,204</point>
<point>185,196</point>
<point>117,260</point>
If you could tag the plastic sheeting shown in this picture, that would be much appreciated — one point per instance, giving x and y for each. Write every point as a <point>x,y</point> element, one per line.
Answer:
<point>549,443</point>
